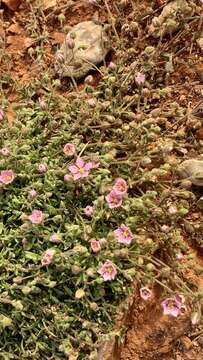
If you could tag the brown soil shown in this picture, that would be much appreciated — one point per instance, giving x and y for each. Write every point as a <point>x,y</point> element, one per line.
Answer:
<point>150,335</point>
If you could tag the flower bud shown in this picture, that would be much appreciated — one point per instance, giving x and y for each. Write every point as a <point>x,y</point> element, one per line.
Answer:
<point>89,80</point>
<point>150,267</point>
<point>70,42</point>
<point>1,114</point>
<point>91,102</point>
<point>76,269</point>
<point>79,294</point>
<point>91,272</point>
<point>5,321</point>
<point>5,152</point>
<point>94,306</point>
<point>79,249</point>
<point>112,65</point>
<point>42,168</point>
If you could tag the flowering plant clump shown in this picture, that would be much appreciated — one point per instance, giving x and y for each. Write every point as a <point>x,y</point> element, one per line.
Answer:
<point>89,209</point>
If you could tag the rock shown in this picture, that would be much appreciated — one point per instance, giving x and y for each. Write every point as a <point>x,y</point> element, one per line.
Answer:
<point>200,341</point>
<point>47,4</point>
<point>85,46</point>
<point>200,42</point>
<point>187,343</point>
<point>192,169</point>
<point>200,203</point>
<point>199,134</point>
<point>198,110</point>
<point>12,4</point>
<point>170,18</point>
<point>199,69</point>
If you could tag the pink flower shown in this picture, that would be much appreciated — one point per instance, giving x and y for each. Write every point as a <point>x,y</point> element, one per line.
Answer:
<point>91,103</point>
<point>179,256</point>
<point>55,238</point>
<point>42,168</point>
<point>140,78</point>
<point>170,307</point>
<point>36,217</point>
<point>114,200</point>
<point>7,176</point>
<point>108,270</point>
<point>145,293</point>
<point>68,177</point>
<point>88,210</point>
<point>95,245</point>
<point>94,165</point>
<point>174,306</point>
<point>112,65</point>
<point>80,169</point>
<point>69,149</point>
<point>179,299</point>
<point>123,234</point>
<point>1,114</point>
<point>120,186</point>
<point>32,193</point>
<point>5,151</point>
<point>172,210</point>
<point>165,228</point>
<point>48,257</point>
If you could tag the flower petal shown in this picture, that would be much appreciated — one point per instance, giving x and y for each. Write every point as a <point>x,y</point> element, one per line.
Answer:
<point>80,163</point>
<point>73,169</point>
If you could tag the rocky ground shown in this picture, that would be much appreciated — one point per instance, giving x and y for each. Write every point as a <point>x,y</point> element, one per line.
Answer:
<point>141,78</point>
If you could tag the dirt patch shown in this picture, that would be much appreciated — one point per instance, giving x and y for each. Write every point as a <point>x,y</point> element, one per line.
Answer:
<point>152,336</point>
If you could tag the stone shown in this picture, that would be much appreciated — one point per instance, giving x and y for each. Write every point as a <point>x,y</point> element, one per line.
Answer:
<point>85,45</point>
<point>170,18</point>
<point>12,4</point>
<point>200,42</point>
<point>200,203</point>
<point>192,169</point>
<point>197,112</point>
<point>200,341</point>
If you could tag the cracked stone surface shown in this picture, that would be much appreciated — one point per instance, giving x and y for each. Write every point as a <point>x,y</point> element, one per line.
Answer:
<point>91,45</point>
<point>170,18</point>
<point>192,169</point>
